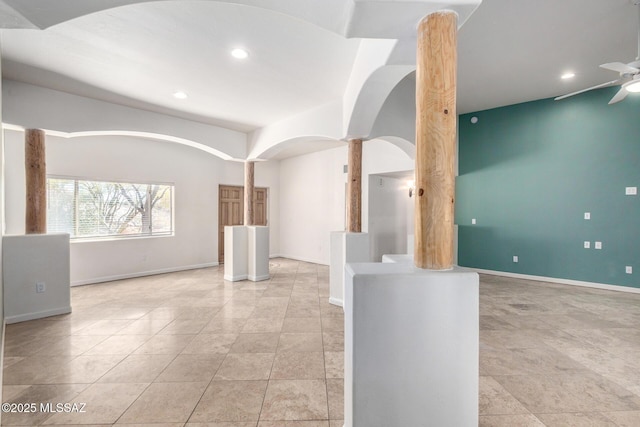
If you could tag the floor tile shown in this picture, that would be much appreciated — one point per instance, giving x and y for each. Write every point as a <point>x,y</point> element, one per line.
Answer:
<point>101,404</point>
<point>164,402</point>
<point>138,368</point>
<point>246,366</point>
<point>255,343</point>
<point>303,342</point>
<point>191,368</point>
<point>230,401</point>
<point>295,400</point>
<point>298,365</point>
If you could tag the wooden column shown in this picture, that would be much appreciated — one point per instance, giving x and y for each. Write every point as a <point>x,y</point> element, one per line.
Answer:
<point>435,140</point>
<point>36,182</point>
<point>354,187</point>
<point>249,218</point>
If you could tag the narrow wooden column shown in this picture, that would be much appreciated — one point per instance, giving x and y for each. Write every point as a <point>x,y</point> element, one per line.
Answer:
<point>36,182</point>
<point>435,140</point>
<point>248,193</point>
<point>354,187</point>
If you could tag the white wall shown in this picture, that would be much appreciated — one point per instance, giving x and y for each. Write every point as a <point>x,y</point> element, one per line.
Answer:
<point>312,196</point>
<point>32,106</point>
<point>195,174</point>
<point>389,208</point>
<point>1,233</point>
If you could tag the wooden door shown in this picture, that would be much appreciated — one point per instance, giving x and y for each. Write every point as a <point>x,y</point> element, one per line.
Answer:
<point>260,206</point>
<point>231,210</point>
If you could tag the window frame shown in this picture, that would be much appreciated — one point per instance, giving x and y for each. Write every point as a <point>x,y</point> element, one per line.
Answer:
<point>115,237</point>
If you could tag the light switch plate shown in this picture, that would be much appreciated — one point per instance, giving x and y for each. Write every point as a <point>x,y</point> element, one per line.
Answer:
<point>587,215</point>
<point>473,221</point>
<point>598,245</point>
<point>515,258</point>
<point>631,191</point>
<point>628,269</point>
<point>587,245</point>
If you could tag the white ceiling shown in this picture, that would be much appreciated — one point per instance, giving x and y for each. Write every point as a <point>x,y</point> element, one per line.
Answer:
<point>510,51</point>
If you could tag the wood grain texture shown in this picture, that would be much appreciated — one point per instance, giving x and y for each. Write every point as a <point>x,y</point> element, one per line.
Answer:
<point>36,182</point>
<point>248,193</point>
<point>435,141</point>
<point>354,187</point>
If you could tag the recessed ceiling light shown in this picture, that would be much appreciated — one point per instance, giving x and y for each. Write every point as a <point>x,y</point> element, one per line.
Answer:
<point>239,53</point>
<point>180,95</point>
<point>568,76</point>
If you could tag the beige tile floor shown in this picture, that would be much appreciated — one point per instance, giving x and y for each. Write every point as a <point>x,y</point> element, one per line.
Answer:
<point>190,349</point>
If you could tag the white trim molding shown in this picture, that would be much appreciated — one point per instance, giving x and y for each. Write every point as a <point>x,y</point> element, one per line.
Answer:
<point>571,282</point>
<point>141,274</point>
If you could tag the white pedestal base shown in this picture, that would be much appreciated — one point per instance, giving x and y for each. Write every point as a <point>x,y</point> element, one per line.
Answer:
<point>411,346</point>
<point>235,253</point>
<point>258,253</point>
<point>345,247</point>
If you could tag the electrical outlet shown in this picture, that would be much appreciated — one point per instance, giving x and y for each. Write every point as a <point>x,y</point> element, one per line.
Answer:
<point>40,287</point>
<point>473,221</point>
<point>515,258</point>
<point>587,245</point>
<point>628,269</point>
<point>587,215</point>
<point>598,245</point>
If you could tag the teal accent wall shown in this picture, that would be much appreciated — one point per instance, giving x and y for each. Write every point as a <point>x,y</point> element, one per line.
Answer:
<point>529,172</point>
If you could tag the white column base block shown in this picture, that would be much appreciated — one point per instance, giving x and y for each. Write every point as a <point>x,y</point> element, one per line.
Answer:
<point>411,346</point>
<point>258,252</point>
<point>398,258</point>
<point>29,260</point>
<point>345,247</point>
<point>235,253</point>
<point>410,243</point>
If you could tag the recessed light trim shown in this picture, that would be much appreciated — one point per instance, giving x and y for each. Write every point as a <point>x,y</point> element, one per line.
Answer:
<point>180,95</point>
<point>633,87</point>
<point>239,53</point>
<point>568,75</point>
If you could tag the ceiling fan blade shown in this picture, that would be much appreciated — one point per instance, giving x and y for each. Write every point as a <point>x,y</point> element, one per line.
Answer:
<point>587,89</point>
<point>619,67</point>
<point>622,94</point>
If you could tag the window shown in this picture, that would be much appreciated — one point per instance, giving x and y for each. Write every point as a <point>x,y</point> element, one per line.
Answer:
<point>95,209</point>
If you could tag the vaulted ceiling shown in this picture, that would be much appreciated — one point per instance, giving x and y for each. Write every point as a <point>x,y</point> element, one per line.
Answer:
<point>140,54</point>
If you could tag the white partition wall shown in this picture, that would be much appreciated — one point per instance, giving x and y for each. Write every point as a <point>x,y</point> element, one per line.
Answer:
<point>235,253</point>
<point>36,276</point>
<point>258,253</point>
<point>345,247</point>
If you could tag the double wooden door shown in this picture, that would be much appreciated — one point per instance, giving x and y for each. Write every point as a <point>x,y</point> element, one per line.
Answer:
<point>231,210</point>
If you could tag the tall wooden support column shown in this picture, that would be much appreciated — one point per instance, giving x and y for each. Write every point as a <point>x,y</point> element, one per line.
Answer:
<point>249,218</point>
<point>354,187</point>
<point>435,141</point>
<point>36,182</point>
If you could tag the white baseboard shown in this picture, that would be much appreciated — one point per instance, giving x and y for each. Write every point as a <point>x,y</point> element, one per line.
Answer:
<point>38,315</point>
<point>259,278</point>
<point>141,274</point>
<point>230,278</point>
<point>303,259</point>
<point>336,301</point>
<point>561,281</point>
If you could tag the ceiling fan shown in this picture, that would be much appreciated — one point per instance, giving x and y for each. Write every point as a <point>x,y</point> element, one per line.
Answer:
<point>629,74</point>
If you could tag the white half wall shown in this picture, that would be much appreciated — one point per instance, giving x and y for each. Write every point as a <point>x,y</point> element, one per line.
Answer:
<point>196,176</point>
<point>312,196</point>
<point>390,209</point>
<point>30,261</point>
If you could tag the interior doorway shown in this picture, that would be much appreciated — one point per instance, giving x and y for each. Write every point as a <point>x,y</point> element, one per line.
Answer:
<point>231,210</point>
